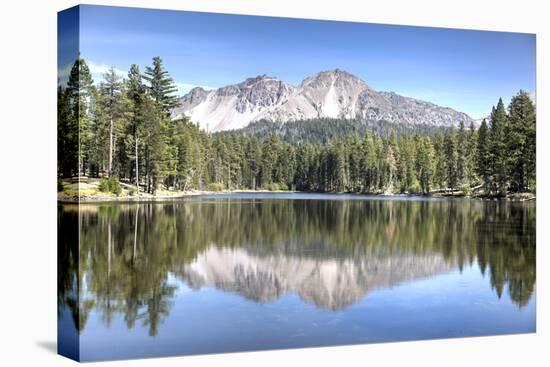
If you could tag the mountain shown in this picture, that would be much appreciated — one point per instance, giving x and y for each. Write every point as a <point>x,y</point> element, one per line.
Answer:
<point>234,106</point>
<point>329,94</point>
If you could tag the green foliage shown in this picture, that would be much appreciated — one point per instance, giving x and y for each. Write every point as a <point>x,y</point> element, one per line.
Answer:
<point>483,156</point>
<point>451,159</point>
<point>276,186</point>
<point>497,150</point>
<point>60,185</point>
<point>465,189</point>
<point>111,185</point>
<point>521,142</point>
<point>415,188</point>
<point>104,185</point>
<point>161,86</point>
<point>74,133</point>
<point>506,151</point>
<point>425,164</point>
<point>323,130</point>
<point>125,131</point>
<point>215,187</point>
<point>114,185</point>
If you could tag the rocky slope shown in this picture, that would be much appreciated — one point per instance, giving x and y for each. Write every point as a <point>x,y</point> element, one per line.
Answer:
<point>332,94</point>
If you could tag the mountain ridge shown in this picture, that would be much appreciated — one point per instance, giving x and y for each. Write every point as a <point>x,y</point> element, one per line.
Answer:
<point>327,94</point>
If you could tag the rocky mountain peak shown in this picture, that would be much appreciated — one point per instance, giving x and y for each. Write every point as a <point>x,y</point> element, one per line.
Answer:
<point>332,93</point>
<point>337,77</point>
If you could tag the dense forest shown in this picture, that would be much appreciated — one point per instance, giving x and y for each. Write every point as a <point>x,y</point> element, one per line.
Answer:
<point>323,130</point>
<point>120,128</point>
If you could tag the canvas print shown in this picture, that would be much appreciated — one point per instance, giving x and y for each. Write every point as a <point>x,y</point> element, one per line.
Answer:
<point>233,183</point>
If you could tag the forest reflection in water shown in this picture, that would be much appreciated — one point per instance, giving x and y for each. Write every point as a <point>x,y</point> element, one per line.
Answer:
<point>331,253</point>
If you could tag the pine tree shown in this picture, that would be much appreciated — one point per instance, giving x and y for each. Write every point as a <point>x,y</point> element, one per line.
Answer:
<point>80,91</point>
<point>425,164</point>
<point>138,100</point>
<point>353,145</point>
<point>497,147</point>
<point>110,100</point>
<point>368,163</point>
<point>471,147</point>
<point>483,156</point>
<point>462,146</point>
<point>161,86</point>
<point>521,142</point>
<point>406,165</point>
<point>440,171</point>
<point>451,159</point>
<point>253,158</point>
<point>67,139</point>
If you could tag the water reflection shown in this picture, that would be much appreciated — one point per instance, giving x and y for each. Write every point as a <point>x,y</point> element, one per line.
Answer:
<point>331,253</point>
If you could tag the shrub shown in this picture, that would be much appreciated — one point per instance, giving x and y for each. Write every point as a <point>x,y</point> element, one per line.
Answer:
<point>59,186</point>
<point>276,186</point>
<point>110,185</point>
<point>415,187</point>
<point>132,191</point>
<point>103,185</point>
<point>114,185</point>
<point>214,186</point>
<point>466,190</point>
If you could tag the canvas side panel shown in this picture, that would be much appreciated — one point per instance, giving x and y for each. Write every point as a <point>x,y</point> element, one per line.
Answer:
<point>68,315</point>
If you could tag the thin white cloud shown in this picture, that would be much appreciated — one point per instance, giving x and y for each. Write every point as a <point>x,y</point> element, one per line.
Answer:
<point>97,69</point>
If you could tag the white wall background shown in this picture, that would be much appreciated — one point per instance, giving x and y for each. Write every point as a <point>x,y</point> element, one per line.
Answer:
<point>28,184</point>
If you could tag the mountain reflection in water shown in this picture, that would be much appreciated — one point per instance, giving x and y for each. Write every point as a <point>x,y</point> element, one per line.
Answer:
<point>331,253</point>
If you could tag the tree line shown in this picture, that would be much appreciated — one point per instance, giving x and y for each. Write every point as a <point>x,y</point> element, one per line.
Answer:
<point>324,129</point>
<point>121,128</point>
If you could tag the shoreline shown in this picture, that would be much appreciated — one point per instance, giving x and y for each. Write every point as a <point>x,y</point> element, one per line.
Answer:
<point>146,198</point>
<point>72,199</point>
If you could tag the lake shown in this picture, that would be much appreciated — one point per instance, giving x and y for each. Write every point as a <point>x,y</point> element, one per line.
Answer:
<point>241,272</point>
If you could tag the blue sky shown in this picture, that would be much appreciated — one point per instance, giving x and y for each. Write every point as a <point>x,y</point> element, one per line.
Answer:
<point>465,70</point>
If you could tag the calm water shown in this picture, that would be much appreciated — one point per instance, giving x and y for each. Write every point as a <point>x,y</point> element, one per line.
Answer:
<point>244,272</point>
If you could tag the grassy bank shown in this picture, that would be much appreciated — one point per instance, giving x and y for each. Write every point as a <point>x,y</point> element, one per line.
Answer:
<point>96,190</point>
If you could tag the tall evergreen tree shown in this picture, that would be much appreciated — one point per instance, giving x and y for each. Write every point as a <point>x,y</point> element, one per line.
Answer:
<point>497,147</point>
<point>451,159</point>
<point>137,96</point>
<point>462,147</point>
<point>425,164</point>
<point>440,174</point>
<point>161,86</point>
<point>111,102</point>
<point>521,142</point>
<point>80,92</point>
<point>67,136</point>
<point>483,155</point>
<point>368,163</point>
<point>470,156</point>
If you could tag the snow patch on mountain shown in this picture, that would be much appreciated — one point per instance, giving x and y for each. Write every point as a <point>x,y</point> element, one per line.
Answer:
<point>333,94</point>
